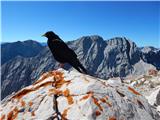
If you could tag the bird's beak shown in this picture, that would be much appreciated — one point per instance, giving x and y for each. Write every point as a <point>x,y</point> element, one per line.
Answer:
<point>44,35</point>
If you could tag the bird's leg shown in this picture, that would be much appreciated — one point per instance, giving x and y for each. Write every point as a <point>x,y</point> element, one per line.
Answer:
<point>61,65</point>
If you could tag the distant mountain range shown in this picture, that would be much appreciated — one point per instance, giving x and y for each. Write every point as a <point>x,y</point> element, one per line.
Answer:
<point>23,62</point>
<point>25,49</point>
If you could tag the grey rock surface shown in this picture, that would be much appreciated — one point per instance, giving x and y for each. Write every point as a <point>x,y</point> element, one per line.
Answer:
<point>151,55</point>
<point>79,97</point>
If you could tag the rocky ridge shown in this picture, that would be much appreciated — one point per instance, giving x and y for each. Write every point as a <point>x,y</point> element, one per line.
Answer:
<point>77,96</point>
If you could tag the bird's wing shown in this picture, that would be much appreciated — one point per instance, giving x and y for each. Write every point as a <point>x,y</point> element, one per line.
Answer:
<point>64,50</point>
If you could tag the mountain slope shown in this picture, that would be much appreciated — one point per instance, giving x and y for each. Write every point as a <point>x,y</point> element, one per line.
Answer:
<point>27,48</point>
<point>79,96</point>
<point>151,55</point>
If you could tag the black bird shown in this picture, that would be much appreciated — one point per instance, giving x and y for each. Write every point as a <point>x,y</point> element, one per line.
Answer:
<point>62,53</point>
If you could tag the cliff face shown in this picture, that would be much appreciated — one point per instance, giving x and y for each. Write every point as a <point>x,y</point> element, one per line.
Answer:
<point>151,55</point>
<point>76,96</point>
<point>103,59</point>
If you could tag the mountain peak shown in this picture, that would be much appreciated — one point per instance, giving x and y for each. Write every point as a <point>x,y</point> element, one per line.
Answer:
<point>73,95</point>
<point>27,48</point>
<point>120,41</point>
<point>92,38</point>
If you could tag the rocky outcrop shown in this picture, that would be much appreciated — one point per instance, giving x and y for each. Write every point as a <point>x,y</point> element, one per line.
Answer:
<point>71,95</point>
<point>149,86</point>
<point>154,99</point>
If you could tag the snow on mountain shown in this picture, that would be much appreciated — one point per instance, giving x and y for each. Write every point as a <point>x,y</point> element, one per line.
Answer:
<point>75,96</point>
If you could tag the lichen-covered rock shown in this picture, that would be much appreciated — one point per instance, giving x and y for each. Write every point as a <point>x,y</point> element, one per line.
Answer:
<point>149,86</point>
<point>78,97</point>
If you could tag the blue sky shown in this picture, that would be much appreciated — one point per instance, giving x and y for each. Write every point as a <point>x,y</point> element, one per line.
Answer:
<point>138,21</point>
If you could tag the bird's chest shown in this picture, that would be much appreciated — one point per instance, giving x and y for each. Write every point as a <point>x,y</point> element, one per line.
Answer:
<point>53,48</point>
<point>57,51</point>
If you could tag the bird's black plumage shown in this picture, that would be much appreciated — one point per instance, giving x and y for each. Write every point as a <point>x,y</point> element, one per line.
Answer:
<point>62,53</point>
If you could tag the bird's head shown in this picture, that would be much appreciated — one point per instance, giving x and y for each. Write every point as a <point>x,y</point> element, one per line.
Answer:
<point>51,35</point>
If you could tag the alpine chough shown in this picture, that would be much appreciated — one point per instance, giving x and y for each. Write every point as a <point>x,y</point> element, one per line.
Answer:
<point>62,53</point>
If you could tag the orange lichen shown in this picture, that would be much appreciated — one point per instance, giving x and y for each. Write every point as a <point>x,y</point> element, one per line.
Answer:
<point>23,103</point>
<point>112,118</point>
<point>85,97</point>
<point>44,76</point>
<point>68,82</point>
<point>13,114</point>
<point>55,91</point>
<point>15,110</point>
<point>98,113</point>
<point>32,113</point>
<point>56,74</point>
<point>3,117</point>
<point>9,116</point>
<point>59,79</point>
<point>70,100</point>
<point>64,114</point>
<point>95,100</point>
<point>90,92</point>
<point>43,85</point>
<point>105,101</point>
<point>109,104</point>
<point>30,103</point>
<point>66,93</point>
<point>59,83</point>
<point>22,93</point>
<point>133,91</point>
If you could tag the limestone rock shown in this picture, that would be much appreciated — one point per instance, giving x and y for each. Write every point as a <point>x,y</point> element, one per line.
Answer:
<point>79,96</point>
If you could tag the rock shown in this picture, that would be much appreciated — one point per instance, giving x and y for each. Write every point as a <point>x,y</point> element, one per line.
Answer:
<point>149,86</point>
<point>154,99</point>
<point>79,96</point>
<point>158,98</point>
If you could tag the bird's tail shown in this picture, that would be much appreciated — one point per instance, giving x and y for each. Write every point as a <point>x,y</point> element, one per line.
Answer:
<point>82,68</point>
<point>78,66</point>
